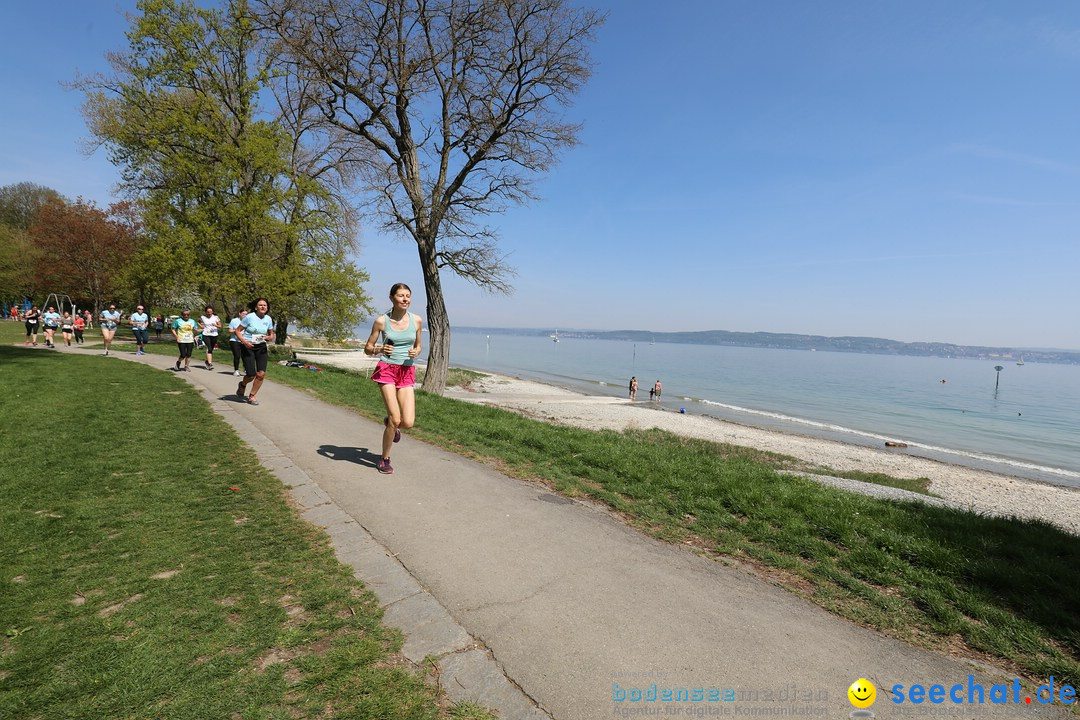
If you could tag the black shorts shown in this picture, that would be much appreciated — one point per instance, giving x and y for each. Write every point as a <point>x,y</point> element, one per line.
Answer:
<point>255,358</point>
<point>185,349</point>
<point>31,328</point>
<point>210,341</point>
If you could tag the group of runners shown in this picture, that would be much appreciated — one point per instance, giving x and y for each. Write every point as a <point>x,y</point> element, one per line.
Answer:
<point>50,322</point>
<point>248,332</point>
<point>395,339</point>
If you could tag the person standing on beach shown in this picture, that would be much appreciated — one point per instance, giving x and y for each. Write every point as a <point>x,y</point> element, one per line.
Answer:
<point>395,372</point>
<point>633,388</point>
<point>657,389</point>
<point>183,329</point>
<point>210,323</point>
<point>140,325</point>
<point>254,330</point>
<point>110,319</point>
<point>234,341</point>
<point>32,319</point>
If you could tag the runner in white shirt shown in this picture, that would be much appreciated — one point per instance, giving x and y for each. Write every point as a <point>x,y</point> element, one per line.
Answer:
<point>210,324</point>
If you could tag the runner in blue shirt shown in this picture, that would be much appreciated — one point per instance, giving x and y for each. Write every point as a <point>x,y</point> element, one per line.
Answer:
<point>51,319</point>
<point>109,319</point>
<point>253,332</point>
<point>140,325</point>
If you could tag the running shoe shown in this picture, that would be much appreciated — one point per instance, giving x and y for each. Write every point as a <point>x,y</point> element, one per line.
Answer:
<point>240,391</point>
<point>209,367</point>
<point>397,433</point>
<point>384,467</point>
<point>236,373</point>
<point>252,401</point>
<point>177,366</point>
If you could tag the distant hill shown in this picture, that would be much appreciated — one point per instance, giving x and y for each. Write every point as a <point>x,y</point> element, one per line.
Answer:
<point>791,341</point>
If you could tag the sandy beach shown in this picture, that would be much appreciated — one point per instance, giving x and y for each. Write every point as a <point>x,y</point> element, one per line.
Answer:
<point>975,490</point>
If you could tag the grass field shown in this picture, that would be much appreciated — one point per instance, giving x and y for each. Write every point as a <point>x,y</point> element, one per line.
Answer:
<point>152,568</point>
<point>1002,589</point>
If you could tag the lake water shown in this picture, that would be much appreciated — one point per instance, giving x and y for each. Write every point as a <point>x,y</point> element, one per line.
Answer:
<point>1029,427</point>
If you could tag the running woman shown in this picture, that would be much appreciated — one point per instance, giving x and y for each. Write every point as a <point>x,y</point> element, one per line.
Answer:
<point>183,329</point>
<point>254,330</point>
<point>51,319</point>
<point>140,325</point>
<point>32,319</point>
<point>211,324</point>
<point>78,326</point>
<point>67,327</point>
<point>109,319</point>
<point>234,342</point>
<point>395,372</point>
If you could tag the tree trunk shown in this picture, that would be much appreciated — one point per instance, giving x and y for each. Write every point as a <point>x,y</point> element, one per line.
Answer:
<point>438,324</point>
<point>281,332</point>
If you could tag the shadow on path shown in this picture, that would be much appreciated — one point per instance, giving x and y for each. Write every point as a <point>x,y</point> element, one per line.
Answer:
<point>359,456</point>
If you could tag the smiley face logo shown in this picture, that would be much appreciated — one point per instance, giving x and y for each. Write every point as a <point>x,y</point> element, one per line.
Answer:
<point>862,693</point>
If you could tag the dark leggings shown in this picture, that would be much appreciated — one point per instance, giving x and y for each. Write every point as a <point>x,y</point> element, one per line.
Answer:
<point>78,336</point>
<point>31,329</point>
<point>235,354</point>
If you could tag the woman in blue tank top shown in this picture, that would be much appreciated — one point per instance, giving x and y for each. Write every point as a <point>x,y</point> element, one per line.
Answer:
<point>395,372</point>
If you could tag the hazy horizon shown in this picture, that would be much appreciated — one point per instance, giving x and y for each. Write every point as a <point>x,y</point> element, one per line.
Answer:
<point>568,329</point>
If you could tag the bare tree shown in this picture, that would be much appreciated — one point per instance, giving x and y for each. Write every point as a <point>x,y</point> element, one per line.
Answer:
<point>458,104</point>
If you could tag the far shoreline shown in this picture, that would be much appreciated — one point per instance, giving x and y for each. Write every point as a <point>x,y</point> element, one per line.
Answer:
<point>760,420</point>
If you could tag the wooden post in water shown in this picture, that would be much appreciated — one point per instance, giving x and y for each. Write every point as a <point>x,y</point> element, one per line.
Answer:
<point>998,380</point>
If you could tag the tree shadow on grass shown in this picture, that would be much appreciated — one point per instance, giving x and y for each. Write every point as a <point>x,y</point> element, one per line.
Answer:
<point>27,355</point>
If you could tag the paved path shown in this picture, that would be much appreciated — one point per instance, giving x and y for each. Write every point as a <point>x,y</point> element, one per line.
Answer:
<point>541,606</point>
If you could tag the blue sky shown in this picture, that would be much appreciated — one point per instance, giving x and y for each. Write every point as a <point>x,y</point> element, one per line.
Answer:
<point>906,170</point>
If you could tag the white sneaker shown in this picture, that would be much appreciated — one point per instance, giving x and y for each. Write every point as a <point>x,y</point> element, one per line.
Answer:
<point>236,373</point>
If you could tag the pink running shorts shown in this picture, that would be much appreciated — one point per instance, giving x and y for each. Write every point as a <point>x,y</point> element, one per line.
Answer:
<point>400,376</point>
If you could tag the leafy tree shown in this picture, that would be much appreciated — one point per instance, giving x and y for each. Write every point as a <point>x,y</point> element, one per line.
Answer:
<point>83,249</point>
<point>18,255</point>
<point>453,106</point>
<point>19,202</point>
<point>224,207</point>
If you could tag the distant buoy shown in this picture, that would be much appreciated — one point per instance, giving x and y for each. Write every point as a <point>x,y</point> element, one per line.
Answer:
<point>682,410</point>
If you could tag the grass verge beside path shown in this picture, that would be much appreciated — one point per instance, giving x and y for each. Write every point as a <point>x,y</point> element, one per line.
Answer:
<point>149,566</point>
<point>1002,588</point>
